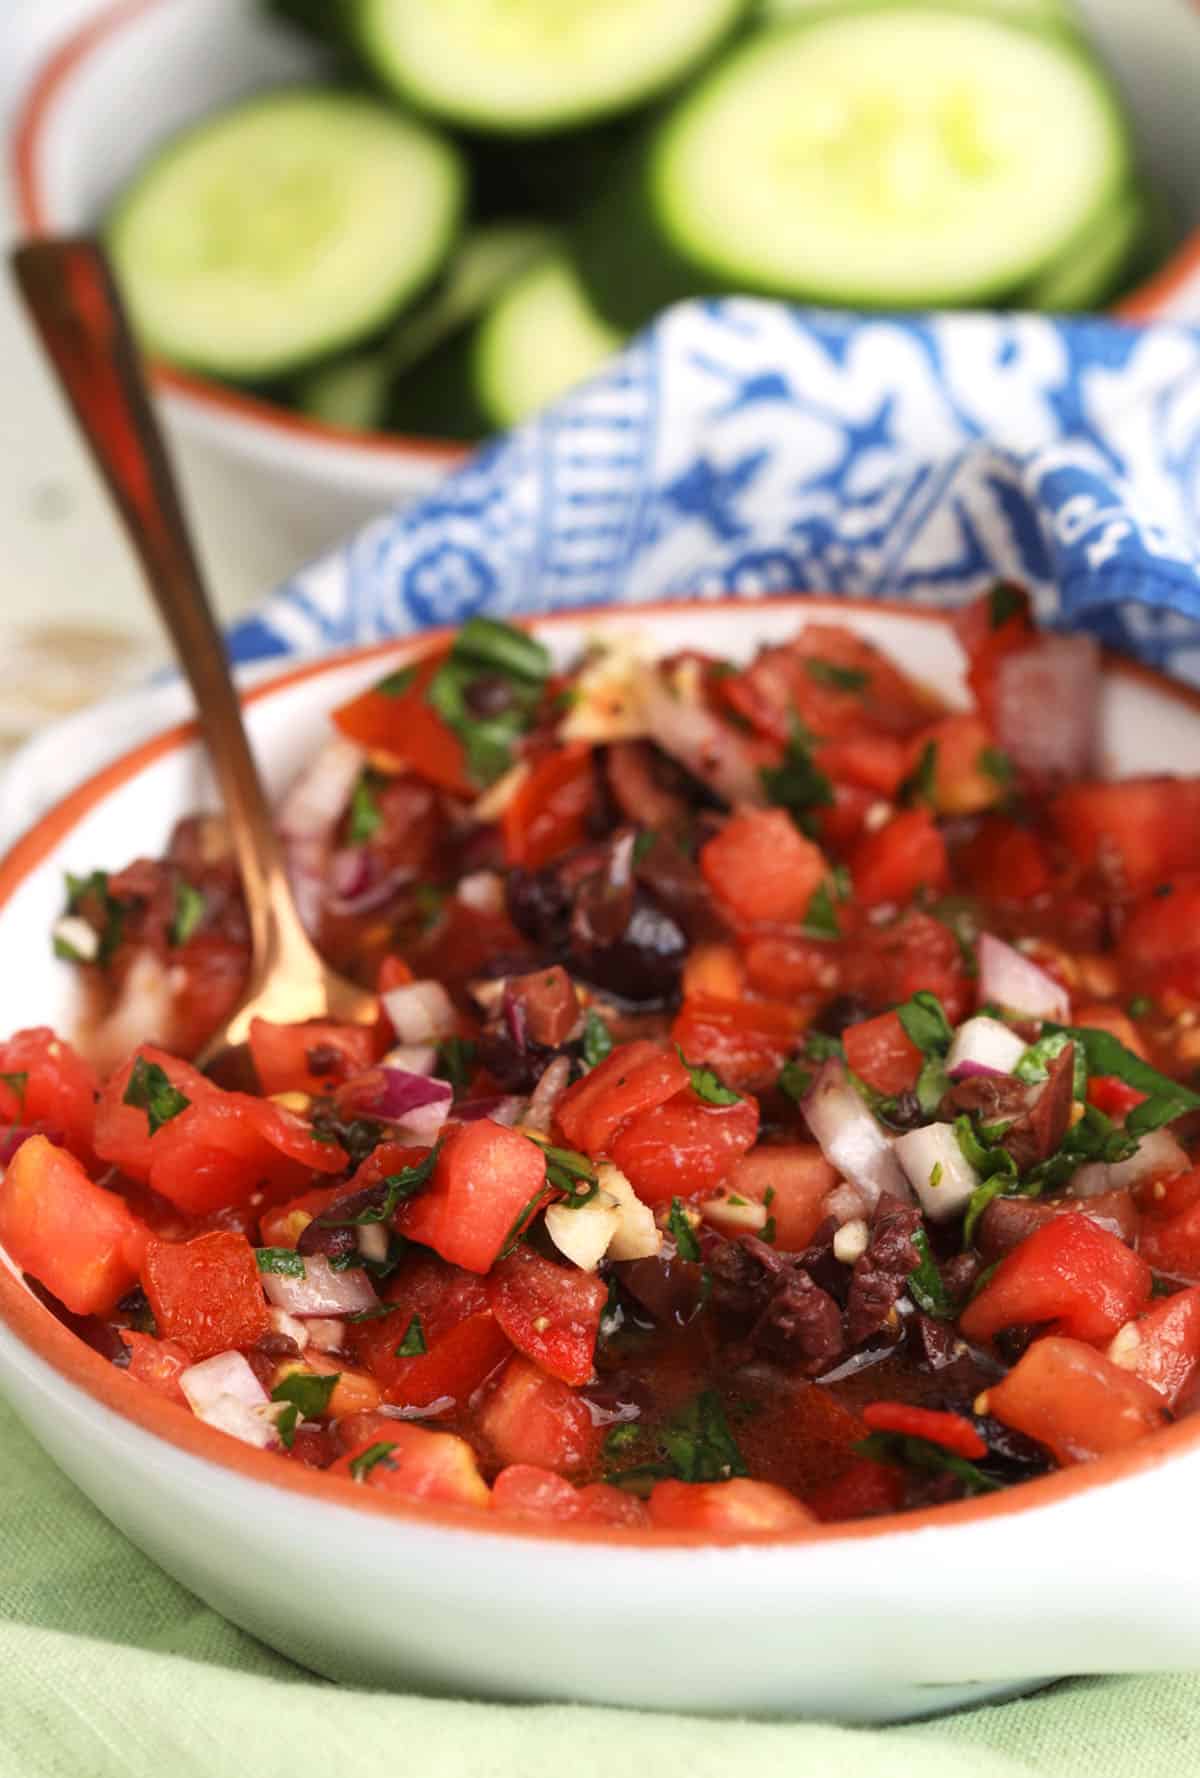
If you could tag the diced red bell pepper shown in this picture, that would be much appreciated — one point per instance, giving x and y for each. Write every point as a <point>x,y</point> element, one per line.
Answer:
<point>1162,1347</point>
<point>793,1180</point>
<point>739,1507</point>
<point>1136,831</point>
<point>953,1432</point>
<point>548,813</point>
<point>1069,1272</point>
<point>1075,1401</point>
<point>907,854</point>
<point>531,1417</point>
<point>762,867</point>
<point>206,1293</point>
<point>549,1312</point>
<point>403,724</point>
<point>463,1340</point>
<point>746,1041</point>
<point>83,1243</point>
<point>419,1464</point>
<point>863,1491</point>
<point>685,1146</point>
<point>158,1364</point>
<point>484,1190</point>
<point>1004,861</point>
<point>635,1077</point>
<point>310,1058</point>
<point>881,1052</point>
<point>1112,1096</point>
<point>49,1087</point>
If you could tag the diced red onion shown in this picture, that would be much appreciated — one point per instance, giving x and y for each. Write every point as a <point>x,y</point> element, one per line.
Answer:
<point>930,1153</point>
<point>1158,1156</point>
<point>307,817</point>
<point>710,749</point>
<point>1046,702</point>
<point>850,1137</point>
<point>983,1046</point>
<point>844,1203</point>
<point>359,880</point>
<point>1008,979</point>
<point>505,1109</point>
<point>321,1291</point>
<point>224,1392</point>
<point>326,1333</point>
<point>516,1018</point>
<point>539,1113</point>
<point>483,891</point>
<point>403,1093</point>
<point>421,1012</point>
<point>413,1058</point>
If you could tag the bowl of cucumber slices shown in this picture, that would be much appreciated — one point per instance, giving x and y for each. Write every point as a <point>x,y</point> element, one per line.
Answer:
<point>359,235</point>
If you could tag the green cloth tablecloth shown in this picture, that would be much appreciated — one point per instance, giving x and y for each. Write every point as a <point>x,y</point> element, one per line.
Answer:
<point>108,1669</point>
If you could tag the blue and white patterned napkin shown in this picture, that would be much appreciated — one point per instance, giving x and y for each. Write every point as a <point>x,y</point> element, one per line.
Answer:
<point>744,447</point>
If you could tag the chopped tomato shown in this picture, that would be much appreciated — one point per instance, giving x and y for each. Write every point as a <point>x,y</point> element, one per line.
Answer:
<point>1162,1347</point>
<point>989,628</point>
<point>82,1242</point>
<point>746,1041</point>
<point>549,1312</point>
<point>635,1077</point>
<point>1164,1198</point>
<point>283,1224</point>
<point>1172,1244</point>
<point>45,1085</point>
<point>963,748</point>
<point>863,1491</point>
<point>878,763</point>
<point>531,1417</point>
<point>394,972</point>
<point>762,867</point>
<point>889,964</point>
<point>310,1058</point>
<point>402,724</point>
<point>1004,861</point>
<point>685,1146</point>
<point>882,1053</point>
<point>526,1492</point>
<point>1162,935</point>
<point>1075,1401</point>
<point>419,1464</point>
<point>907,854</point>
<point>548,813</point>
<point>793,1180</point>
<point>485,1188</point>
<point>735,1508</point>
<point>446,1311</point>
<point>840,824</point>
<point>779,966</point>
<point>1132,834</point>
<point>953,1432</point>
<point>206,1293</point>
<point>1104,1017</point>
<point>1069,1272</point>
<point>158,1364</point>
<point>834,680</point>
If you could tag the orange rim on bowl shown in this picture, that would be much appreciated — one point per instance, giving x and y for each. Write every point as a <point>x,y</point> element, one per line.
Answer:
<point>45,1336</point>
<point>34,115</point>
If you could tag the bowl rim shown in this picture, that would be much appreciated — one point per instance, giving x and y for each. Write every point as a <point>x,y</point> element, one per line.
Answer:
<point>35,1327</point>
<point>35,110</point>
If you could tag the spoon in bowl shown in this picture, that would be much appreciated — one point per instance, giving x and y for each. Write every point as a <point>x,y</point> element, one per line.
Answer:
<point>68,288</point>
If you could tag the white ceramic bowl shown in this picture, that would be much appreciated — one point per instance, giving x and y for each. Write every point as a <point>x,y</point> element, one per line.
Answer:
<point>139,69</point>
<point>1082,1572</point>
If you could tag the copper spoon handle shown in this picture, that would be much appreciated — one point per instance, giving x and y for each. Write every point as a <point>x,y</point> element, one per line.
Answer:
<point>69,291</point>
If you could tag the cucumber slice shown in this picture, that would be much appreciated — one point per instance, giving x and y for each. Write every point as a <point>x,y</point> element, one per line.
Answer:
<point>527,67</point>
<point>1088,274</point>
<point>898,157</point>
<point>537,341</point>
<point>1058,15</point>
<point>355,392</point>
<point>283,231</point>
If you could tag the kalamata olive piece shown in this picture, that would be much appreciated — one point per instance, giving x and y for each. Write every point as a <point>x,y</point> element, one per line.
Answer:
<point>842,1010</point>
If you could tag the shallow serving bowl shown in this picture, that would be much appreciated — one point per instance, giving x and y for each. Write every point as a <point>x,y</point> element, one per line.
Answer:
<point>137,70</point>
<point>1082,1572</point>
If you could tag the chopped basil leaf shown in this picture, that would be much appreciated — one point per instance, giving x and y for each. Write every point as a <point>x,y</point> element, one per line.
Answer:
<point>820,1047</point>
<point>997,765</point>
<point>524,1216</point>
<point>796,784</point>
<point>706,1085</point>
<point>1093,1137</point>
<point>190,904</point>
<point>503,649</point>
<point>1105,1054</point>
<point>284,1262</point>
<point>643,845</point>
<point>620,1438</point>
<point>362,1465</point>
<point>925,1285</point>
<point>925,1023</point>
<point>597,1040</point>
<point>16,1083</point>
<point>840,678</point>
<point>506,660</point>
<point>413,1344</point>
<point>932,1084</point>
<point>81,890</point>
<point>397,683</point>
<point>921,1453</point>
<point>820,920</point>
<point>794,1081</point>
<point>921,784</point>
<point>310,1393</point>
<point>366,817</point>
<point>456,1061</point>
<point>767,1233</point>
<point>374,1313</point>
<point>353,1261</point>
<point>997,1186</point>
<point>397,1186</point>
<point>150,1091</point>
<point>682,1232</point>
<point>698,1443</point>
<point>570,1173</point>
<point>1034,1065</point>
<point>1004,601</point>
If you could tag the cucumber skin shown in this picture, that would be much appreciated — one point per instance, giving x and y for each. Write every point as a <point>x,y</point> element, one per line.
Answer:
<point>385,79</point>
<point>271,381</point>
